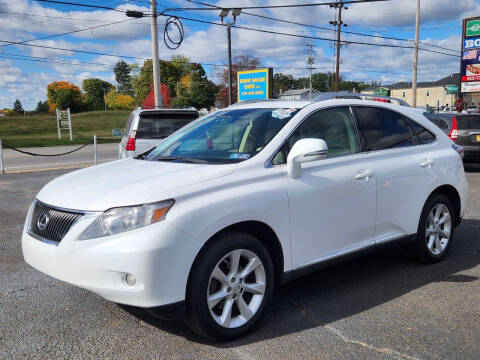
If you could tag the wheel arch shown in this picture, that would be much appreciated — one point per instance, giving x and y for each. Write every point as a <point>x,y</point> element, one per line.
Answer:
<point>452,194</point>
<point>260,230</point>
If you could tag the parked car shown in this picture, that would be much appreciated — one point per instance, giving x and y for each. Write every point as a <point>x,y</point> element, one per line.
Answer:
<point>472,109</point>
<point>463,129</point>
<point>447,109</point>
<point>208,223</point>
<point>147,128</point>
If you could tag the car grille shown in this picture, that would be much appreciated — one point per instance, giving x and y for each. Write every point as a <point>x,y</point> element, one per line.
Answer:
<point>51,223</point>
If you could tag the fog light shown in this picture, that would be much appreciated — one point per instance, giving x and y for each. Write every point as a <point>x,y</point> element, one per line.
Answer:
<point>131,280</point>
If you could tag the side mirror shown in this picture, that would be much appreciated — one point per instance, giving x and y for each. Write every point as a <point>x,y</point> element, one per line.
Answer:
<point>305,150</point>
<point>117,132</point>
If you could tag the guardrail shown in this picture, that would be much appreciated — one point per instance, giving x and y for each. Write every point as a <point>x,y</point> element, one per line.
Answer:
<point>4,145</point>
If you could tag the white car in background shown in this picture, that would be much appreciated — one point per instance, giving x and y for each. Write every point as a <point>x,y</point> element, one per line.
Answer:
<point>244,199</point>
<point>147,128</point>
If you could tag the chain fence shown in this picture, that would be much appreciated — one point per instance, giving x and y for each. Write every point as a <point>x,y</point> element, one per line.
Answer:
<point>4,145</point>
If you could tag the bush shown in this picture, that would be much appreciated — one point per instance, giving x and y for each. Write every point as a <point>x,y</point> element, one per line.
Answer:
<point>117,101</point>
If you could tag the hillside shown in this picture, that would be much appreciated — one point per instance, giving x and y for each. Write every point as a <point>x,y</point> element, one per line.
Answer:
<point>41,130</point>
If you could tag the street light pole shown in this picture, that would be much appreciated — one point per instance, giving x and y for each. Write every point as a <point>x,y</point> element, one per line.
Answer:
<point>415,56</point>
<point>155,60</point>
<point>224,13</point>
<point>230,90</point>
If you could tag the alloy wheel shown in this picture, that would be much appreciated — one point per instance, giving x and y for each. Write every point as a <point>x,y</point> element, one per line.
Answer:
<point>439,227</point>
<point>236,288</point>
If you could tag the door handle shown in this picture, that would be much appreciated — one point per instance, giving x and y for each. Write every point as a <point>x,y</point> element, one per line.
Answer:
<point>427,163</point>
<point>364,174</point>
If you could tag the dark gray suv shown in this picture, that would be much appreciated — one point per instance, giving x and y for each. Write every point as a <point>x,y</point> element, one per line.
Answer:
<point>463,129</point>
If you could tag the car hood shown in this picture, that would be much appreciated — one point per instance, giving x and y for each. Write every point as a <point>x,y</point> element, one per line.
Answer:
<point>125,182</point>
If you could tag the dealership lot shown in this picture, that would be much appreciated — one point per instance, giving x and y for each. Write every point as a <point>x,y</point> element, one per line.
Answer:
<point>381,306</point>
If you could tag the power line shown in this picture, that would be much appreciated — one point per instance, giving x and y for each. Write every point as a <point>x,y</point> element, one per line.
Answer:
<point>285,6</point>
<point>82,5</point>
<point>310,36</point>
<point>65,33</point>
<point>322,27</point>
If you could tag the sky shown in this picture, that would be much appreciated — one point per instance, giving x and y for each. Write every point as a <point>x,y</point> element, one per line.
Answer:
<point>25,71</point>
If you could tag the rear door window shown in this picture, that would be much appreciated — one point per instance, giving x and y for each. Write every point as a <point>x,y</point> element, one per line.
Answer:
<point>467,122</point>
<point>383,128</point>
<point>421,135</point>
<point>161,125</point>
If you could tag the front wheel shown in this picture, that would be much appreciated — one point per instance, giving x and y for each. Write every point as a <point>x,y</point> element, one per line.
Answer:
<point>229,287</point>
<point>435,229</point>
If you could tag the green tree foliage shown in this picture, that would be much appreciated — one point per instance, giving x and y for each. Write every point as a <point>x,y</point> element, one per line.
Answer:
<point>95,90</point>
<point>69,98</point>
<point>42,107</point>
<point>320,82</point>
<point>118,101</point>
<point>17,107</point>
<point>171,74</point>
<point>122,76</point>
<point>141,83</point>
<point>200,94</point>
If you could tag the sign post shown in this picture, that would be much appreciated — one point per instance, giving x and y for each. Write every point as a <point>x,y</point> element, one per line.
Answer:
<point>255,84</point>
<point>64,122</point>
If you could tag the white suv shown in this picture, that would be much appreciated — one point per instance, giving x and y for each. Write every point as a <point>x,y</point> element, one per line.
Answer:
<point>244,199</point>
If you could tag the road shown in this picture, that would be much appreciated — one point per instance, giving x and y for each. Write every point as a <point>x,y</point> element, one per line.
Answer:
<point>382,306</point>
<point>17,162</point>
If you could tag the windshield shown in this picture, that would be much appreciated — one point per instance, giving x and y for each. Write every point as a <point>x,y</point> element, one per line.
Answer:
<point>223,137</point>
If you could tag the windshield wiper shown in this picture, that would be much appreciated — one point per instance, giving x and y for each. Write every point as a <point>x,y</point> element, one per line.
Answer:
<point>185,159</point>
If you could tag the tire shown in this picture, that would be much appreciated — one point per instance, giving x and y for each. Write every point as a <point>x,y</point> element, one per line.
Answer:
<point>433,247</point>
<point>210,319</point>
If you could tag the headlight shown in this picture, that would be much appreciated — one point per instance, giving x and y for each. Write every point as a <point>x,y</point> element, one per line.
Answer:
<point>122,219</point>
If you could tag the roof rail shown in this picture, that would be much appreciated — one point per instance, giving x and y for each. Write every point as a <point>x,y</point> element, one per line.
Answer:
<point>349,95</point>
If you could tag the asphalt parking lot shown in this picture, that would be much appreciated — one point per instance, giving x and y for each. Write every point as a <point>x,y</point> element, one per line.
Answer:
<point>382,306</point>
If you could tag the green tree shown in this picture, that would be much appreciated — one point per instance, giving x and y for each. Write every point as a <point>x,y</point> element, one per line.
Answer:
<point>96,90</point>
<point>42,107</point>
<point>141,83</point>
<point>122,76</point>
<point>69,98</point>
<point>200,94</point>
<point>17,106</point>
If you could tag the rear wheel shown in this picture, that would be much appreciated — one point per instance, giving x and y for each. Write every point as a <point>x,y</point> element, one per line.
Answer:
<point>435,229</point>
<point>230,286</point>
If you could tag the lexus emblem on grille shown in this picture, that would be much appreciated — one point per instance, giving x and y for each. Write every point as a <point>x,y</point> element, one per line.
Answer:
<point>42,221</point>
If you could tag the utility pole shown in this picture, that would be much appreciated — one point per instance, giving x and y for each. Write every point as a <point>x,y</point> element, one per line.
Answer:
<point>224,13</point>
<point>310,62</point>
<point>338,23</point>
<point>156,61</point>
<point>415,56</point>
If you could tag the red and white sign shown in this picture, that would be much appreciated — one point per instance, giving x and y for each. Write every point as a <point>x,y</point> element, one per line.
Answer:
<point>473,86</point>
<point>471,78</point>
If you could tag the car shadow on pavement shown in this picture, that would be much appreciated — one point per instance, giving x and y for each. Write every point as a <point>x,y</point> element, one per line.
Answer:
<point>348,288</point>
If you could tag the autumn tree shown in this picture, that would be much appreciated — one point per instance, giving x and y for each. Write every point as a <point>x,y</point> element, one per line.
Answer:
<point>117,101</point>
<point>239,63</point>
<point>63,95</point>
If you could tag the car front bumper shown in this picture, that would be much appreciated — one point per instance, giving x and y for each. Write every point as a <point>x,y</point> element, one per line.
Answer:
<point>159,256</point>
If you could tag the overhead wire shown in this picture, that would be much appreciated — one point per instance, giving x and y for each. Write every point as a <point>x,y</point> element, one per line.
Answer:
<point>322,27</point>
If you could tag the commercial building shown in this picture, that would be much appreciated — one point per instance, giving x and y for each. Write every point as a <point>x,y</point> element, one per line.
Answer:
<point>298,94</point>
<point>441,93</point>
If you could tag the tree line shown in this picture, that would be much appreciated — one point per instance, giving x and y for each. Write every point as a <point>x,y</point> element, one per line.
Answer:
<point>187,83</point>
